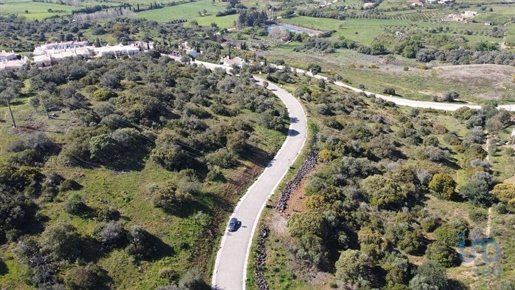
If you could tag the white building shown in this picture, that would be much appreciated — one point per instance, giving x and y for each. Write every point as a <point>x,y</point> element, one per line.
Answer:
<point>7,55</point>
<point>117,50</point>
<point>42,60</point>
<point>238,61</point>
<point>13,64</point>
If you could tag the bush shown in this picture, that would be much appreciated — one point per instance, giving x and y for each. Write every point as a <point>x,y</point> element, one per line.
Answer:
<point>168,274</point>
<point>443,186</point>
<point>478,215</point>
<point>141,244</point>
<point>389,91</point>
<point>169,198</point>
<point>112,235</point>
<point>192,280</point>
<point>323,109</point>
<point>501,208</point>
<point>61,242</point>
<point>442,254</point>
<point>430,223</point>
<point>104,95</point>
<point>222,157</point>
<point>75,205</point>
<point>108,214</point>
<point>83,278</point>
<point>68,185</point>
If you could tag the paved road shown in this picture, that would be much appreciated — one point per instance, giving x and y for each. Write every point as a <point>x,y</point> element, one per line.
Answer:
<point>405,102</point>
<point>232,257</point>
<point>231,261</point>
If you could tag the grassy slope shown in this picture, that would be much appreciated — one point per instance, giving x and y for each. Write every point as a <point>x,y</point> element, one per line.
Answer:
<point>36,10</point>
<point>183,11</point>
<point>282,271</point>
<point>127,192</point>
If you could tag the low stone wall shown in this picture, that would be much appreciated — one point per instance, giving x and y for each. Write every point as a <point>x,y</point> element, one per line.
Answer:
<point>259,262</point>
<point>293,184</point>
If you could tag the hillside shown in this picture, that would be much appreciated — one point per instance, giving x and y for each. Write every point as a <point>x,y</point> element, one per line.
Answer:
<point>391,192</point>
<point>126,184</point>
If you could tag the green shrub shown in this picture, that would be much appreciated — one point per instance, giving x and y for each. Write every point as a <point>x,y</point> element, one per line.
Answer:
<point>168,274</point>
<point>442,254</point>
<point>83,278</point>
<point>430,223</point>
<point>104,95</point>
<point>75,204</point>
<point>478,215</point>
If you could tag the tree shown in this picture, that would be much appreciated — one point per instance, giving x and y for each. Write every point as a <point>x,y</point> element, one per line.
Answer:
<point>476,191</point>
<point>450,96</point>
<point>382,191</point>
<point>505,192</point>
<point>61,241</point>
<point>430,276</point>
<point>442,254</point>
<point>314,69</point>
<point>399,269</point>
<point>309,231</point>
<point>83,278</point>
<point>371,242</point>
<point>142,245</point>
<point>443,186</point>
<point>354,269</point>
<point>38,84</point>
<point>169,198</point>
<point>9,88</point>
<point>449,233</point>
<point>389,91</point>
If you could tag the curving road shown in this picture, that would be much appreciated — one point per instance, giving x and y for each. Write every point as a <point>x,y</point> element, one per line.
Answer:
<point>406,102</point>
<point>231,261</point>
<point>230,269</point>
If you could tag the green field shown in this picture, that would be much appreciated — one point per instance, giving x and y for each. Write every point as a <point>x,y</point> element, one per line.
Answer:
<point>35,10</point>
<point>222,22</point>
<point>365,30</point>
<point>184,11</point>
<point>500,14</point>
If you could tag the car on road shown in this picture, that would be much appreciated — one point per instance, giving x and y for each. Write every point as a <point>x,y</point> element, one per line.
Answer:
<point>233,224</point>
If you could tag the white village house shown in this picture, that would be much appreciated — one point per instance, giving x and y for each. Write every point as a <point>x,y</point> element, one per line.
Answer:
<point>50,53</point>
<point>13,64</point>
<point>238,61</point>
<point>7,55</point>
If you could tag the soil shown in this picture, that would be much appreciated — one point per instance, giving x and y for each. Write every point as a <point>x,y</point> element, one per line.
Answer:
<point>296,203</point>
<point>488,74</point>
<point>277,223</point>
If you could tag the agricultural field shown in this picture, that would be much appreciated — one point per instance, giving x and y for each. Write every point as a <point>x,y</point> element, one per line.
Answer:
<point>188,11</point>
<point>34,10</point>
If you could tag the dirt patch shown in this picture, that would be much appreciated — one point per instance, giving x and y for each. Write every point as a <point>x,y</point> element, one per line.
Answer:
<point>510,180</point>
<point>487,74</point>
<point>277,223</point>
<point>297,198</point>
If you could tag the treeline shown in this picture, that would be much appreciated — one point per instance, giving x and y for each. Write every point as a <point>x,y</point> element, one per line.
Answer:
<point>412,47</point>
<point>230,11</point>
<point>251,17</point>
